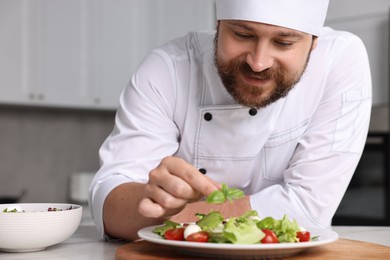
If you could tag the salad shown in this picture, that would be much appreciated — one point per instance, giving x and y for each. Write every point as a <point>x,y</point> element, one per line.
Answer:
<point>246,229</point>
<point>16,209</point>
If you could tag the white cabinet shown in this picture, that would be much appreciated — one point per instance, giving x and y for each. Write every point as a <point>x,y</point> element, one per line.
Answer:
<point>125,31</point>
<point>82,53</point>
<point>370,21</point>
<point>10,52</point>
<point>42,49</point>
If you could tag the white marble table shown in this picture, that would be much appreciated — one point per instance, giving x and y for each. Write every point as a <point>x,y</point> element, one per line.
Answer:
<point>85,244</point>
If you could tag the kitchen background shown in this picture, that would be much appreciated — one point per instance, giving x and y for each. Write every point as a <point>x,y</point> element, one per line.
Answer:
<point>64,62</point>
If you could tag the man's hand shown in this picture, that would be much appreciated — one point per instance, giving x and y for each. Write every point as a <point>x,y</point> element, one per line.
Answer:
<point>172,185</point>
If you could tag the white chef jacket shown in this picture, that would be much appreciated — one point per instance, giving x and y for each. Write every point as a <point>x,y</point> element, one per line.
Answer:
<point>295,156</point>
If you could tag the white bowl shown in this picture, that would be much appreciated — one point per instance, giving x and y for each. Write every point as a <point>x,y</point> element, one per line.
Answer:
<point>37,228</point>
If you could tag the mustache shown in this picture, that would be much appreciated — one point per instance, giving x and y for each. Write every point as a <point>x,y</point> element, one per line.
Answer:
<point>267,74</point>
<point>245,69</point>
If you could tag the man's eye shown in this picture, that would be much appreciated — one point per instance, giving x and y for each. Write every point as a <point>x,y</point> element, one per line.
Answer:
<point>284,44</point>
<point>243,35</point>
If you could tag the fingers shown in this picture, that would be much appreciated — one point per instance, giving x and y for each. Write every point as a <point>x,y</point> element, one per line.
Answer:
<point>163,180</point>
<point>191,176</point>
<point>159,203</point>
<point>164,198</point>
<point>171,186</point>
<point>150,209</point>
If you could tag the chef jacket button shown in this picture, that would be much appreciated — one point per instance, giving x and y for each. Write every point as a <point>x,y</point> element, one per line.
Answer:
<point>203,170</point>
<point>207,116</point>
<point>253,111</point>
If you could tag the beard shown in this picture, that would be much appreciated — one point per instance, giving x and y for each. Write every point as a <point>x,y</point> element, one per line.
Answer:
<point>251,95</point>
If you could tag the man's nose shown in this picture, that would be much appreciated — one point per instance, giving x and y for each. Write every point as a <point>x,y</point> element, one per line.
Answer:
<point>260,58</point>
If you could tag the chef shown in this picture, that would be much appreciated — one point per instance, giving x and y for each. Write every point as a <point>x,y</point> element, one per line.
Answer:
<point>272,103</point>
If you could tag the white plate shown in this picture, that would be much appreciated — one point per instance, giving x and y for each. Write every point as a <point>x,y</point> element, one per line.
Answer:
<point>241,250</point>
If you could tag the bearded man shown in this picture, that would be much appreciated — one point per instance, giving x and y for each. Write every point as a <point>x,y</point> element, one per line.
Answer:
<point>272,103</point>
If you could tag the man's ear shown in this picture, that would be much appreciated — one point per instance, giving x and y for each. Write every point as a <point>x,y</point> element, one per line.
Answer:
<point>314,43</point>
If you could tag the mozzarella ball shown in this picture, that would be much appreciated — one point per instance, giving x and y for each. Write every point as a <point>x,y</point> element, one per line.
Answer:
<point>191,229</point>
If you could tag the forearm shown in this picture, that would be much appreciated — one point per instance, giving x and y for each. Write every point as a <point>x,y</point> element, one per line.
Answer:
<point>120,212</point>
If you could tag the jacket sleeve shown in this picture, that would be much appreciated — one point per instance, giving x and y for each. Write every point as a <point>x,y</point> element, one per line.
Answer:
<point>144,132</point>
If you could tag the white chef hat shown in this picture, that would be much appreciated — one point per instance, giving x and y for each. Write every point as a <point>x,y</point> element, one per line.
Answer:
<point>302,15</point>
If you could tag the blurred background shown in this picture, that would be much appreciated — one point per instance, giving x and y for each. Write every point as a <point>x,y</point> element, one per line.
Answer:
<point>64,63</point>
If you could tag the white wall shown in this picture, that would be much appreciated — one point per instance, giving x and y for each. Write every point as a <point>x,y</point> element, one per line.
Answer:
<point>369,19</point>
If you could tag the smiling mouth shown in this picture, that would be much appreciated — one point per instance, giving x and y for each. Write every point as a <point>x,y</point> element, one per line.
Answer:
<point>255,79</point>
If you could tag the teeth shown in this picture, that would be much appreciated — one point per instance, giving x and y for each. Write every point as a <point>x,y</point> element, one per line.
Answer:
<point>259,77</point>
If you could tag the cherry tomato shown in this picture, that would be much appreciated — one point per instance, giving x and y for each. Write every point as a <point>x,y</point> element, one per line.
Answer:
<point>303,236</point>
<point>175,234</point>
<point>201,236</point>
<point>270,237</point>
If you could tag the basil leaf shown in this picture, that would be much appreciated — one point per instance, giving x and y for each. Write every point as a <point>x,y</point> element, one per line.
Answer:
<point>226,193</point>
<point>225,188</point>
<point>234,193</point>
<point>216,197</point>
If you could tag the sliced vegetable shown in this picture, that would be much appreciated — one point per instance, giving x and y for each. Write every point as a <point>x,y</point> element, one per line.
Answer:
<point>245,229</point>
<point>284,229</point>
<point>164,228</point>
<point>201,236</point>
<point>175,234</point>
<point>303,236</point>
<point>270,237</point>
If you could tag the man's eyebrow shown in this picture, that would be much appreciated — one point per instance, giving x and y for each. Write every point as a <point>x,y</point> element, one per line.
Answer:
<point>282,33</point>
<point>290,34</point>
<point>238,24</point>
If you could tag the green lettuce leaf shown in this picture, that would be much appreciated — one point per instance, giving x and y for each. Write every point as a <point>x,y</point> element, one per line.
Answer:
<point>211,221</point>
<point>160,230</point>
<point>242,231</point>
<point>284,229</point>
